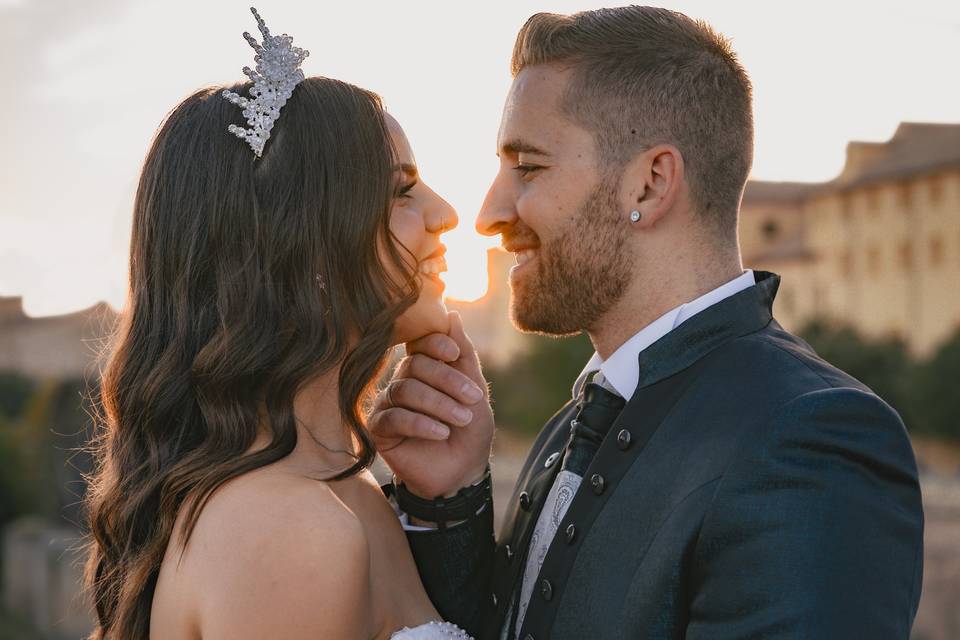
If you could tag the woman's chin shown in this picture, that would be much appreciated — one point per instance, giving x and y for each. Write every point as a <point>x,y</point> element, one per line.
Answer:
<point>426,316</point>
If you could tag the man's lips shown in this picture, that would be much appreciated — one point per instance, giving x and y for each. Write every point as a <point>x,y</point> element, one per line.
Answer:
<point>513,246</point>
<point>524,256</point>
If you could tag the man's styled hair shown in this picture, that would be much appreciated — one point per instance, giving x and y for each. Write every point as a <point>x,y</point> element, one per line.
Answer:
<point>644,76</point>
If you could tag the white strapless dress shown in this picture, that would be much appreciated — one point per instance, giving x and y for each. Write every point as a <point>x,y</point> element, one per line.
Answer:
<point>432,631</point>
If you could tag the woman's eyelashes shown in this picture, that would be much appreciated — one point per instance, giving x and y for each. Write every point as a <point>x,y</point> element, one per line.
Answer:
<point>403,191</point>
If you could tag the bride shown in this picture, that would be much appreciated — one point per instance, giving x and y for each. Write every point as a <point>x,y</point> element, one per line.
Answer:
<point>271,270</point>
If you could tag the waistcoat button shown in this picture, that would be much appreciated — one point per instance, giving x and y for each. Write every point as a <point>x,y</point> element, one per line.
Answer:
<point>546,590</point>
<point>525,501</point>
<point>597,483</point>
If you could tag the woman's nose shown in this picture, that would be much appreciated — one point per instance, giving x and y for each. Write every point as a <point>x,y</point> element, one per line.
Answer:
<point>443,217</point>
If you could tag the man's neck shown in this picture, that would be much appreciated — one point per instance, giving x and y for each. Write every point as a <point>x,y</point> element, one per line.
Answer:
<point>651,296</point>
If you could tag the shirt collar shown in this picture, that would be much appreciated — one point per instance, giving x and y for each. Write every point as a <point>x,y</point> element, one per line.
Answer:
<point>621,369</point>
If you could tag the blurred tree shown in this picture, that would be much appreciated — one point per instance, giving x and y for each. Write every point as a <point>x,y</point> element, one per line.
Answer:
<point>536,383</point>
<point>15,390</point>
<point>41,461</point>
<point>884,365</point>
<point>934,388</point>
<point>13,500</point>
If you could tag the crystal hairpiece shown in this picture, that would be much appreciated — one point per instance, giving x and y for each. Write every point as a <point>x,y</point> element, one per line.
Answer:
<point>278,72</point>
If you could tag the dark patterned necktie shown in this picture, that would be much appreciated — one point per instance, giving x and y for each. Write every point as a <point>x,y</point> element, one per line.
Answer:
<point>598,408</point>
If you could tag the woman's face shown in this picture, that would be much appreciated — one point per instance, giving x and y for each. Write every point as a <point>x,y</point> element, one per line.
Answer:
<point>417,219</point>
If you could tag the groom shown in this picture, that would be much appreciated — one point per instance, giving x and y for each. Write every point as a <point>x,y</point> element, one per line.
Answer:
<point>710,477</point>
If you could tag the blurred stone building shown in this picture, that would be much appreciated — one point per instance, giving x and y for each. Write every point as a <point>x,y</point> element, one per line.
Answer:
<point>878,247</point>
<point>52,347</point>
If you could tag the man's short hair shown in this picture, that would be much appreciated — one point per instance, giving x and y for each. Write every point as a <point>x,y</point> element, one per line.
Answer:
<point>644,76</point>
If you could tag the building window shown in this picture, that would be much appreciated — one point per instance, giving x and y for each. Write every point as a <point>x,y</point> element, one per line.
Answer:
<point>936,251</point>
<point>788,303</point>
<point>936,189</point>
<point>903,195</point>
<point>873,260</point>
<point>906,255</point>
<point>845,207</point>
<point>770,230</point>
<point>846,264</point>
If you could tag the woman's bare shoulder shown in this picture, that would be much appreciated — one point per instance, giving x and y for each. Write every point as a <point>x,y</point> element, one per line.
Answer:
<point>280,555</point>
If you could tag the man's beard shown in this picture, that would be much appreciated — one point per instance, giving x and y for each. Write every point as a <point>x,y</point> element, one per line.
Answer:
<point>580,274</point>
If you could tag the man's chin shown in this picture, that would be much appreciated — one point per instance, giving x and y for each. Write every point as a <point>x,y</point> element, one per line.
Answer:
<point>541,318</point>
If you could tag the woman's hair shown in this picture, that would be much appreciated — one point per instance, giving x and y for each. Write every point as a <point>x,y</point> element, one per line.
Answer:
<point>248,278</point>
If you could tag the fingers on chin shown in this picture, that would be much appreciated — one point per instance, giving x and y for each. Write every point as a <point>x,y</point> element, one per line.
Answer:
<point>436,345</point>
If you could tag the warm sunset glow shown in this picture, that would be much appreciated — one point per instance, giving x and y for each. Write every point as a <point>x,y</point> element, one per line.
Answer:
<point>466,278</point>
<point>87,86</point>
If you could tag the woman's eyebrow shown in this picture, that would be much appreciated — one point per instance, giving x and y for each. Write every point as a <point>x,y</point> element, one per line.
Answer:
<point>409,169</point>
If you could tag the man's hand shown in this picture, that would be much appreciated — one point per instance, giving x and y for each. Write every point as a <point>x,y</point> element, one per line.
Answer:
<point>433,424</point>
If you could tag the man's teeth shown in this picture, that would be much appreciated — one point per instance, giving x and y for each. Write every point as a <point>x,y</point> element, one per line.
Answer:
<point>433,266</point>
<point>526,255</point>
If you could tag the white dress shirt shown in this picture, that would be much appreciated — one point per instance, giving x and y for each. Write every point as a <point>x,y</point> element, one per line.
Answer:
<point>621,371</point>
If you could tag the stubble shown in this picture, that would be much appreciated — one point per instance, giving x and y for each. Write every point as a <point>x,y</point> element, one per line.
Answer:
<point>579,274</point>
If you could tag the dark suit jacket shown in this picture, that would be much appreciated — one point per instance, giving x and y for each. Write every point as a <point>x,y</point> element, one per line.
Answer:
<point>748,490</point>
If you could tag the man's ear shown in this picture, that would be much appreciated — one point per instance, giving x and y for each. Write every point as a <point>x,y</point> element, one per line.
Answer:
<point>652,183</point>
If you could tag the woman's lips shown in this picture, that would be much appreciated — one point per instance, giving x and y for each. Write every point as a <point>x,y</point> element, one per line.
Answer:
<point>433,266</point>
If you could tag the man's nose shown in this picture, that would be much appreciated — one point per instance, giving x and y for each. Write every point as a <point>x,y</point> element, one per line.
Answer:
<point>498,210</point>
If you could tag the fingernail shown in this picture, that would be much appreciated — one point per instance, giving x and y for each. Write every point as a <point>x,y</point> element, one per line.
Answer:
<point>472,391</point>
<point>441,430</point>
<point>453,352</point>
<point>463,416</point>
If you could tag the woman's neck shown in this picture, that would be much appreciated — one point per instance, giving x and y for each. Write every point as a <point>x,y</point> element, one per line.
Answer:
<point>325,444</point>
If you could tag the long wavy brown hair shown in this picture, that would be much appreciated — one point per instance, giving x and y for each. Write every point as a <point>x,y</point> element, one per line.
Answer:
<point>248,278</point>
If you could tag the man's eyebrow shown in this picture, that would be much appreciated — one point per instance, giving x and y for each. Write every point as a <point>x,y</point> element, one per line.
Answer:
<point>518,146</point>
<point>409,169</point>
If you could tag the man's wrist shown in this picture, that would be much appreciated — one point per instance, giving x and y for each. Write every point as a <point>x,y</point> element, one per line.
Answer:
<point>471,480</point>
<point>417,522</point>
<point>443,511</point>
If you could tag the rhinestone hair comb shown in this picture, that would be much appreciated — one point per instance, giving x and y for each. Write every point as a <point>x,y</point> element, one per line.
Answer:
<point>277,73</point>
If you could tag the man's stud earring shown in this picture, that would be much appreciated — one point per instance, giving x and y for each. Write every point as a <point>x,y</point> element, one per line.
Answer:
<point>634,216</point>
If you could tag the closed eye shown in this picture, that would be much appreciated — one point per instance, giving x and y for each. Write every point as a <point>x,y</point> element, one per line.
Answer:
<point>526,169</point>
<point>404,191</point>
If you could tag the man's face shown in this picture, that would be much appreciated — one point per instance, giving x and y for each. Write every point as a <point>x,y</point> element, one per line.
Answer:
<point>556,210</point>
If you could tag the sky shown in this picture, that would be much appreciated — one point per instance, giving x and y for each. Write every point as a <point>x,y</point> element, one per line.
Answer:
<point>86,84</point>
